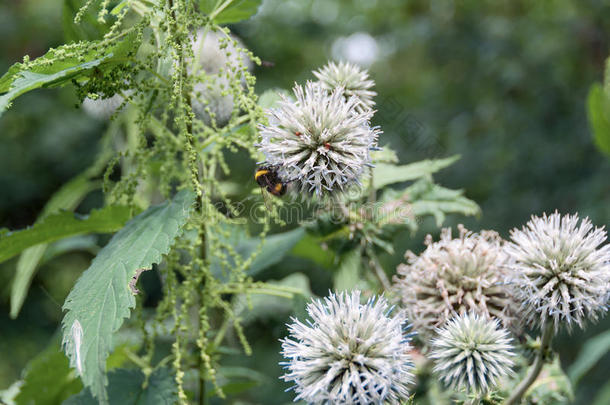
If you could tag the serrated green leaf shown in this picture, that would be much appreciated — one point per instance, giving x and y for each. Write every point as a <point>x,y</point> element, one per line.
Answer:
<point>101,299</point>
<point>598,108</point>
<point>61,225</point>
<point>235,11</point>
<point>271,97</point>
<point>60,71</point>
<point>48,379</point>
<point>67,197</point>
<point>385,174</point>
<point>126,387</point>
<point>592,352</point>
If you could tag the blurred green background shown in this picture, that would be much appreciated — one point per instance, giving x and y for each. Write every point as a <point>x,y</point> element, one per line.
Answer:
<point>502,83</point>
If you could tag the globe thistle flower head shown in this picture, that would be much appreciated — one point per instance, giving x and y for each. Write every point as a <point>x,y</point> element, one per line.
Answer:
<point>217,51</point>
<point>319,141</point>
<point>455,276</point>
<point>472,353</point>
<point>349,353</point>
<point>354,81</point>
<point>102,108</point>
<point>561,271</point>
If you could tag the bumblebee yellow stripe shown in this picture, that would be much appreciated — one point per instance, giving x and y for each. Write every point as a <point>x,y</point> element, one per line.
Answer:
<point>278,187</point>
<point>260,173</point>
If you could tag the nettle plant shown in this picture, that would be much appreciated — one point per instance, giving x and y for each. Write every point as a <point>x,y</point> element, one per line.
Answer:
<point>178,90</point>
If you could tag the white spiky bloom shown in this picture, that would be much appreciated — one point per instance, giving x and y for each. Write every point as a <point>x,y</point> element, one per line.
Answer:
<point>455,276</point>
<point>472,353</point>
<point>218,52</point>
<point>320,141</point>
<point>213,97</point>
<point>561,270</point>
<point>349,353</point>
<point>354,81</point>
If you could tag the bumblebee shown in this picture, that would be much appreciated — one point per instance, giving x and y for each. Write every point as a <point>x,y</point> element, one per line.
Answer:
<point>268,178</point>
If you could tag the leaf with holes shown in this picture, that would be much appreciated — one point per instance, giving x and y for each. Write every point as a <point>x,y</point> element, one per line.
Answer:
<point>102,298</point>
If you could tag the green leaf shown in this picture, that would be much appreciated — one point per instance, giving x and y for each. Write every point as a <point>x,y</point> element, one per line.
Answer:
<point>385,174</point>
<point>102,298</point>
<point>235,11</point>
<point>271,97</point>
<point>61,225</point>
<point>592,351</point>
<point>59,70</point>
<point>310,247</point>
<point>273,248</point>
<point>68,197</point>
<point>48,379</point>
<point>127,387</point>
<point>347,276</point>
<point>598,108</point>
<point>603,396</point>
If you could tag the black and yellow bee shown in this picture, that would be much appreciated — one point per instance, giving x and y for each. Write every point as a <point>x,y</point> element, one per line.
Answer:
<point>268,178</point>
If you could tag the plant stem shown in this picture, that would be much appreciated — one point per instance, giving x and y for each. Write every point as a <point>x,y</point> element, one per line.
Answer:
<point>534,371</point>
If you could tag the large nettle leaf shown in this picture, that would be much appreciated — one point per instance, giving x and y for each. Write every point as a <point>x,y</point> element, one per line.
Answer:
<point>127,387</point>
<point>102,297</point>
<point>230,11</point>
<point>58,70</point>
<point>62,225</point>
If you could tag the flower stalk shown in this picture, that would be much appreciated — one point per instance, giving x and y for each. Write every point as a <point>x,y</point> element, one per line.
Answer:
<point>534,371</point>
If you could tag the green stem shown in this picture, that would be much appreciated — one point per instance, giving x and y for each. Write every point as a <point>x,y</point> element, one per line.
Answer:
<point>534,371</point>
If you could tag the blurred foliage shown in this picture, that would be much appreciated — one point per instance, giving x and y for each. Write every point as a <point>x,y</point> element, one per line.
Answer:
<point>503,83</point>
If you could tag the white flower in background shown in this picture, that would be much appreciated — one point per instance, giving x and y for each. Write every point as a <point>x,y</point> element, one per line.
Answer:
<point>353,80</point>
<point>360,48</point>
<point>472,353</point>
<point>321,141</point>
<point>223,59</point>
<point>561,270</point>
<point>102,108</point>
<point>213,97</point>
<point>456,276</point>
<point>349,353</point>
<point>217,51</point>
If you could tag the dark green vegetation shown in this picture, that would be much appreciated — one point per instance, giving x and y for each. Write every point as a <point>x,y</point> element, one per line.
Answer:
<point>503,84</point>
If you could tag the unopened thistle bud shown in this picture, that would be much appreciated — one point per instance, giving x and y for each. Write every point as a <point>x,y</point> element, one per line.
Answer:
<point>353,80</point>
<point>561,270</point>
<point>472,353</point>
<point>455,276</point>
<point>349,353</point>
<point>321,142</point>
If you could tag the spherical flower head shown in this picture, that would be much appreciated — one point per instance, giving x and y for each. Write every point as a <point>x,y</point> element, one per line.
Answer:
<point>353,80</point>
<point>472,353</point>
<point>561,270</point>
<point>349,353</point>
<point>320,141</point>
<point>455,276</point>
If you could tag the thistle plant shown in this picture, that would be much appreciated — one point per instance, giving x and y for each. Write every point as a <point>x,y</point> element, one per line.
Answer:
<point>472,353</point>
<point>321,141</point>
<point>349,353</point>
<point>561,271</point>
<point>353,80</point>
<point>455,276</point>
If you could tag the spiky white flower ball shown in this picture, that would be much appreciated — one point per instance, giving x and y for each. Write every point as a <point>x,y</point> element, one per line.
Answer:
<point>455,276</point>
<point>320,141</point>
<point>349,353</point>
<point>561,270</point>
<point>354,81</point>
<point>213,98</point>
<point>472,353</point>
